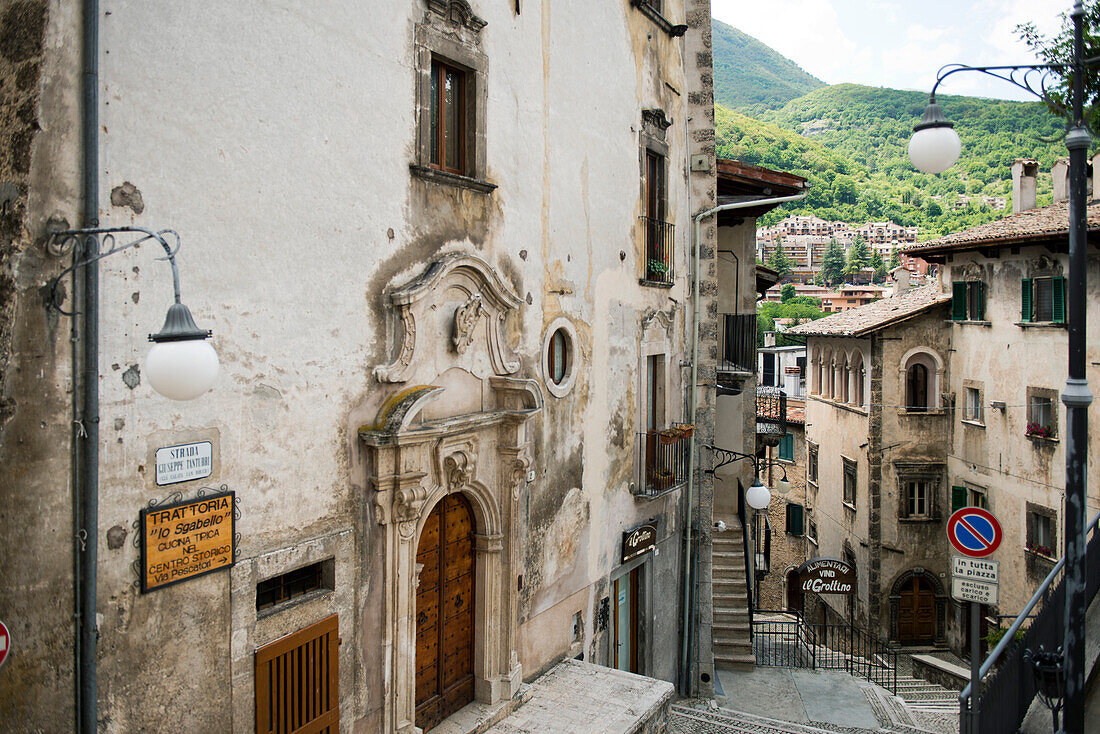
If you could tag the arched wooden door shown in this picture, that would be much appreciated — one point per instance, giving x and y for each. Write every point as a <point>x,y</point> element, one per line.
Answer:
<point>794,591</point>
<point>445,612</point>
<point>917,611</point>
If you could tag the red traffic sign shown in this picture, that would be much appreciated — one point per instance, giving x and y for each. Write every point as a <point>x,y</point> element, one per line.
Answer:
<point>974,532</point>
<point>5,643</point>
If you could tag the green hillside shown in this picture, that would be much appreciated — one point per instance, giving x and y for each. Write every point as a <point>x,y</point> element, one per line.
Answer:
<point>748,72</point>
<point>850,141</point>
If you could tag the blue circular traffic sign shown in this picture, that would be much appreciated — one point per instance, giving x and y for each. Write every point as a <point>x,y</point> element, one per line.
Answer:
<point>974,532</point>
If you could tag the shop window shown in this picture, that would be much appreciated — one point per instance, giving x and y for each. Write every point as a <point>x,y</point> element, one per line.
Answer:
<point>1043,300</point>
<point>968,300</point>
<point>849,482</point>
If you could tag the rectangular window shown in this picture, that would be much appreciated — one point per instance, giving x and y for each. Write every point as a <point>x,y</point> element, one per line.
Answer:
<point>293,584</point>
<point>977,498</point>
<point>967,300</point>
<point>786,447</point>
<point>448,118</point>
<point>298,681</point>
<point>973,409</point>
<point>658,232</point>
<point>811,463</point>
<point>917,499</point>
<point>1040,531</point>
<point>1042,413</point>
<point>811,528</point>
<point>1043,300</point>
<point>849,482</point>
<point>795,517</point>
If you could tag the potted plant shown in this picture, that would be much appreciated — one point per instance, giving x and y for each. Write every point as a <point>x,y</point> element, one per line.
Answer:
<point>1038,430</point>
<point>656,268</point>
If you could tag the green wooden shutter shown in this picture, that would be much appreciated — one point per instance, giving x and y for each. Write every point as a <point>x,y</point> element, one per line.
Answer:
<point>1058,300</point>
<point>980,316</point>
<point>958,498</point>
<point>795,519</point>
<point>1025,299</point>
<point>958,300</point>
<point>786,447</point>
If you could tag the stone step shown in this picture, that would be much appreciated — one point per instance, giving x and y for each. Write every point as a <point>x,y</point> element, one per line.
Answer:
<point>730,557</point>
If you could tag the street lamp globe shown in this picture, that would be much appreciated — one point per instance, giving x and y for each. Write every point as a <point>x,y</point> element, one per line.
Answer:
<point>758,495</point>
<point>181,364</point>
<point>783,486</point>
<point>935,145</point>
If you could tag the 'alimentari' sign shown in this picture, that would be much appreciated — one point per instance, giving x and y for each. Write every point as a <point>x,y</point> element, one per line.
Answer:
<point>185,540</point>
<point>827,576</point>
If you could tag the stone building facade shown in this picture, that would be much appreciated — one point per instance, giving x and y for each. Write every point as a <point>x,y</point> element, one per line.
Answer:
<point>449,280</point>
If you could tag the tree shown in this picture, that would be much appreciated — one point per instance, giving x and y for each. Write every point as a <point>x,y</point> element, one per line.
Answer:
<point>880,268</point>
<point>779,262</point>
<point>933,209</point>
<point>787,292</point>
<point>832,263</point>
<point>1059,50</point>
<point>895,259</point>
<point>857,256</point>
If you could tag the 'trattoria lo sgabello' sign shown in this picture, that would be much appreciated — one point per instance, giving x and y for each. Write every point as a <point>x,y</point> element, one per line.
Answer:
<point>187,539</point>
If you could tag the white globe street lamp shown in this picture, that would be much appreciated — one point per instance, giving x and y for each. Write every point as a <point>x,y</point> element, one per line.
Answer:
<point>181,364</point>
<point>758,496</point>
<point>935,145</point>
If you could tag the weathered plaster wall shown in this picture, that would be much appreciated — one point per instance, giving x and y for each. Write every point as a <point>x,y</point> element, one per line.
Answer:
<point>1004,358</point>
<point>38,179</point>
<point>277,142</point>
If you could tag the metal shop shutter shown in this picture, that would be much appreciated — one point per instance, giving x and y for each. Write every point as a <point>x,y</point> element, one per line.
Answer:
<point>297,682</point>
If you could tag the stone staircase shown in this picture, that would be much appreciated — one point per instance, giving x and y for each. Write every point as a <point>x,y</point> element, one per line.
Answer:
<point>731,636</point>
<point>920,695</point>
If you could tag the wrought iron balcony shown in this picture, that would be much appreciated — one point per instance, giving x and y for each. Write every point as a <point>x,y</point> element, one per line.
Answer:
<point>737,342</point>
<point>659,239</point>
<point>661,464</point>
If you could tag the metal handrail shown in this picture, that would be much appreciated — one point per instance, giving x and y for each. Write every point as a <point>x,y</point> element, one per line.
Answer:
<point>1009,636</point>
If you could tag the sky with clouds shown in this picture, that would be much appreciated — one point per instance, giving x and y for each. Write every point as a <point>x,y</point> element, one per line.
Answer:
<point>896,43</point>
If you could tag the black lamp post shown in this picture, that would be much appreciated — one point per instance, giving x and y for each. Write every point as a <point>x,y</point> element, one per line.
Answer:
<point>1050,678</point>
<point>933,149</point>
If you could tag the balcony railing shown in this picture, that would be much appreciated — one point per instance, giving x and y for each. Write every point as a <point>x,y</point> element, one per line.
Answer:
<point>661,464</point>
<point>737,342</point>
<point>659,238</point>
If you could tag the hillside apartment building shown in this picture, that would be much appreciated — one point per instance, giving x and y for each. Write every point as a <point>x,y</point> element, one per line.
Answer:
<point>946,396</point>
<point>451,284</point>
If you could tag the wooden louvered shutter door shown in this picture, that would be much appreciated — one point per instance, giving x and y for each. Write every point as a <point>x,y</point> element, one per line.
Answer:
<point>958,300</point>
<point>297,682</point>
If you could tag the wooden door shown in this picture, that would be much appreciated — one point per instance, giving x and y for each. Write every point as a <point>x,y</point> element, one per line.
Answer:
<point>917,612</point>
<point>625,644</point>
<point>298,682</point>
<point>445,612</point>
<point>794,591</point>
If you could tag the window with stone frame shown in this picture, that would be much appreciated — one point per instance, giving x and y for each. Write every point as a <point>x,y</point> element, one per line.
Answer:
<point>973,410</point>
<point>849,481</point>
<point>968,300</point>
<point>1043,300</point>
<point>655,11</point>
<point>811,527</point>
<point>1042,529</point>
<point>918,489</point>
<point>451,97</point>
<point>1042,413</point>
<point>657,230</point>
<point>811,462</point>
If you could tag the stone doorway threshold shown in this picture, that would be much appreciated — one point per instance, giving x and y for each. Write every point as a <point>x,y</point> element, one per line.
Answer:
<point>571,697</point>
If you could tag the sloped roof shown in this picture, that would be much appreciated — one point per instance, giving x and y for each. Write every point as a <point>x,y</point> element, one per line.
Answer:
<point>1044,223</point>
<point>795,414</point>
<point>874,316</point>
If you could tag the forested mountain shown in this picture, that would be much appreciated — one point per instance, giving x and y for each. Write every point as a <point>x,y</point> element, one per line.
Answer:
<point>748,72</point>
<point>851,141</point>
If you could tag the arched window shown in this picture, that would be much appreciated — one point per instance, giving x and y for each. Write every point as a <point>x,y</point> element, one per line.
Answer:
<point>827,375</point>
<point>857,380</point>
<point>816,383</point>
<point>845,378</point>
<point>916,387</point>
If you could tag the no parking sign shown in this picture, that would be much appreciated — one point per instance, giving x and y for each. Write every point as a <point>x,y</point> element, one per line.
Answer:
<point>974,532</point>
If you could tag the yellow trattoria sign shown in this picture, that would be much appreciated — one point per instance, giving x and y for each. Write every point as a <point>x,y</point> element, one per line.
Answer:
<point>185,540</point>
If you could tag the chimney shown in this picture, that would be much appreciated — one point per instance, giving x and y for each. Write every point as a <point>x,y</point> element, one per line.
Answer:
<point>1025,171</point>
<point>1060,173</point>
<point>769,338</point>
<point>900,274</point>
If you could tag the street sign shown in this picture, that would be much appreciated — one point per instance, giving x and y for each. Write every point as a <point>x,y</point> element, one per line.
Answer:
<point>970,590</point>
<point>975,568</point>
<point>974,532</point>
<point>5,643</point>
<point>184,463</point>
<point>186,540</point>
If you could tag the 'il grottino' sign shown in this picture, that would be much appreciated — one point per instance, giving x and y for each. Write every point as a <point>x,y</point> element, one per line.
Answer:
<point>827,576</point>
<point>185,540</point>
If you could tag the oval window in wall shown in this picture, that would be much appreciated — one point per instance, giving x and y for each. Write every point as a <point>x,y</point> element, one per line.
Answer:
<point>559,362</point>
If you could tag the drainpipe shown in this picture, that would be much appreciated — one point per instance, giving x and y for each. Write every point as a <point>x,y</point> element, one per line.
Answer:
<point>88,482</point>
<point>689,602</point>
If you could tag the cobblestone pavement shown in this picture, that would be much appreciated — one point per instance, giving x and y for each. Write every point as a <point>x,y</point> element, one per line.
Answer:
<point>695,717</point>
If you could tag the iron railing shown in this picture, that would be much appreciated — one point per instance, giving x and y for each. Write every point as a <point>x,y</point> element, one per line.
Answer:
<point>661,463</point>
<point>791,643</point>
<point>1006,681</point>
<point>659,240</point>
<point>737,342</point>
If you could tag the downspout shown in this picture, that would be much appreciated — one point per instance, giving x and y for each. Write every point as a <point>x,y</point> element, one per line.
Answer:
<point>88,536</point>
<point>689,601</point>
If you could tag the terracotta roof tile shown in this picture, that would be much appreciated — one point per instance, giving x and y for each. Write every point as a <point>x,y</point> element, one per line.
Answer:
<point>1043,223</point>
<point>874,316</point>
<point>795,414</point>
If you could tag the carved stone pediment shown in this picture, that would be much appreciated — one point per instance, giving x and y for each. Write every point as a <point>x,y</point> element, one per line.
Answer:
<point>457,13</point>
<point>656,118</point>
<point>457,306</point>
